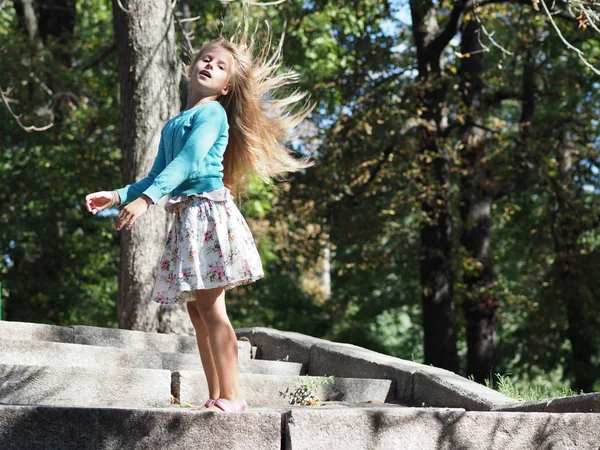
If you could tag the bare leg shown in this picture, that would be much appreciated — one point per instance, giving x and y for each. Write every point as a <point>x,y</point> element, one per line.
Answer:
<point>223,343</point>
<point>206,356</point>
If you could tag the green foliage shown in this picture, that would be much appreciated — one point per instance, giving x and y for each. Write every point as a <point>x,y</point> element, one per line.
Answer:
<point>59,263</point>
<point>541,387</point>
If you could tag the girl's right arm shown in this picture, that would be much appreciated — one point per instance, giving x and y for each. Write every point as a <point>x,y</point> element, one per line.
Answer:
<point>99,201</point>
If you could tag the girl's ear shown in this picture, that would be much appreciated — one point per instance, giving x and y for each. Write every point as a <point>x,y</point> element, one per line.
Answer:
<point>226,89</point>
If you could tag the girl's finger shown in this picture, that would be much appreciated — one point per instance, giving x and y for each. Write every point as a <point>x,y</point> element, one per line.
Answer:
<point>88,202</point>
<point>122,219</point>
<point>131,221</point>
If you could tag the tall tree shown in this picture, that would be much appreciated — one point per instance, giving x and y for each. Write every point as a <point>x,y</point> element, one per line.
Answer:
<point>148,74</point>
<point>436,273</point>
<point>475,206</point>
<point>569,268</point>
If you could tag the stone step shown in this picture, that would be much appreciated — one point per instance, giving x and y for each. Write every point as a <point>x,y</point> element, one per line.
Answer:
<point>433,429</point>
<point>84,386</point>
<point>108,337</point>
<point>265,367</point>
<point>573,403</point>
<point>185,361</point>
<point>39,353</point>
<point>293,428</point>
<point>416,384</point>
<point>71,428</point>
<point>42,353</point>
<point>128,387</point>
<point>190,387</point>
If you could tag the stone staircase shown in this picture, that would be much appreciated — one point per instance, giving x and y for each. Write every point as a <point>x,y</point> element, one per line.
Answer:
<point>84,387</point>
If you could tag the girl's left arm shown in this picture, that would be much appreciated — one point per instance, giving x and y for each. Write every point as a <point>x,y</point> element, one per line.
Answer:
<point>209,124</point>
<point>131,195</point>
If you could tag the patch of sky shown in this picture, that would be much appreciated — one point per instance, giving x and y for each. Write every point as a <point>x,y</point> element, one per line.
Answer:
<point>298,145</point>
<point>401,11</point>
<point>110,212</point>
<point>400,17</point>
<point>307,4</point>
<point>7,259</point>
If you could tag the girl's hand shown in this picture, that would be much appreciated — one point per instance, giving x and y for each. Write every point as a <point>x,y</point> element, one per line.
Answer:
<point>99,201</point>
<point>132,212</point>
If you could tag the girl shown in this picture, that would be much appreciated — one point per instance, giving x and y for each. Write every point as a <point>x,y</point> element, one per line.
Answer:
<point>230,129</point>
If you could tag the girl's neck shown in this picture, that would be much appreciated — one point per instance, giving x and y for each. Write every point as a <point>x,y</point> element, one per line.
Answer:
<point>195,100</point>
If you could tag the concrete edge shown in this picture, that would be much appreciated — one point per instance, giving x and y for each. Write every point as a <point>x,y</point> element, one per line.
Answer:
<point>106,337</point>
<point>24,427</point>
<point>584,403</point>
<point>416,384</point>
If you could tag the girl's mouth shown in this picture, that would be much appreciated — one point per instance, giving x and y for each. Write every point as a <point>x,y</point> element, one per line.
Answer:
<point>206,73</point>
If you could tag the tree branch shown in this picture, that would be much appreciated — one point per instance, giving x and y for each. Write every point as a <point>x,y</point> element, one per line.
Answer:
<point>276,2</point>
<point>373,172</point>
<point>107,51</point>
<point>567,43</point>
<point>498,96</point>
<point>457,124</point>
<point>454,22</point>
<point>186,35</point>
<point>18,118</point>
<point>126,11</point>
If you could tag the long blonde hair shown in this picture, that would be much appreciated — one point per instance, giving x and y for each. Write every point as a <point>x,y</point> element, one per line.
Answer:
<point>260,118</point>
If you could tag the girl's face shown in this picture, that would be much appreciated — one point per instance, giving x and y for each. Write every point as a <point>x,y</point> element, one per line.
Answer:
<point>211,74</point>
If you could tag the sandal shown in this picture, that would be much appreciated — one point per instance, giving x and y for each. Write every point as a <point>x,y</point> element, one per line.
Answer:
<point>210,402</point>
<point>227,406</point>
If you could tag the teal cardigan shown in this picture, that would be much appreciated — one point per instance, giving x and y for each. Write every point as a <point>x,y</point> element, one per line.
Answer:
<point>190,155</point>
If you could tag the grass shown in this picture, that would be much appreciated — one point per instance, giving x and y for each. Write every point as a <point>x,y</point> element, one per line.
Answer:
<point>530,392</point>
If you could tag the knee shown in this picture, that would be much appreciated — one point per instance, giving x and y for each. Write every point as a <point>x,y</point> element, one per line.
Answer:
<point>194,314</point>
<point>212,317</point>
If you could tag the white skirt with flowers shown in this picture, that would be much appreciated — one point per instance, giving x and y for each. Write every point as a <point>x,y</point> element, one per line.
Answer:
<point>209,245</point>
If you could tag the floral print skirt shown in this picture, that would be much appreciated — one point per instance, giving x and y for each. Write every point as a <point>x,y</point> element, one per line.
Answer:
<point>209,245</point>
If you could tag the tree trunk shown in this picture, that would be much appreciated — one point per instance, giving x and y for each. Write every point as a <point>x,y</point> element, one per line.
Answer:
<point>480,303</point>
<point>436,274</point>
<point>57,20</point>
<point>27,18</point>
<point>148,78</point>
<point>567,273</point>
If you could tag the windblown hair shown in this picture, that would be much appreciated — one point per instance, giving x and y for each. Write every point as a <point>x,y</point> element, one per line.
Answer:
<point>260,117</point>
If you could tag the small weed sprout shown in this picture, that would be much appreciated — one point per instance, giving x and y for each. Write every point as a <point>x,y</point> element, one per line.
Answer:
<point>304,394</point>
<point>176,401</point>
<point>541,390</point>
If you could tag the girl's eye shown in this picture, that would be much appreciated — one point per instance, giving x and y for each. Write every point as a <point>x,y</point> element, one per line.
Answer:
<point>221,67</point>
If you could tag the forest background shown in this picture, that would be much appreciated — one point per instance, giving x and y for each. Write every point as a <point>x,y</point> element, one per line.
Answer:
<point>452,216</point>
